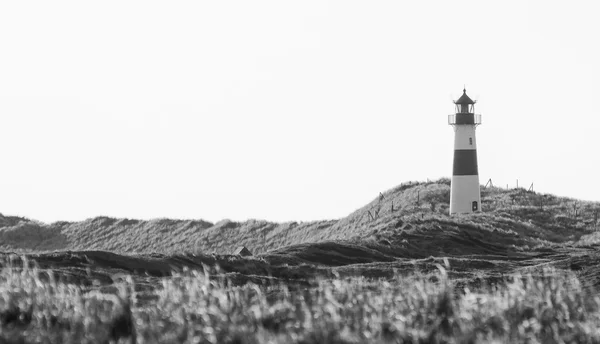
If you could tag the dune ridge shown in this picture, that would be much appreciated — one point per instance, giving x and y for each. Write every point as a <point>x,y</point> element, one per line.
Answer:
<point>404,228</point>
<point>398,213</point>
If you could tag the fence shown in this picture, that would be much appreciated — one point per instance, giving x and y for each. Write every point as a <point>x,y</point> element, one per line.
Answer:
<point>491,184</point>
<point>585,214</point>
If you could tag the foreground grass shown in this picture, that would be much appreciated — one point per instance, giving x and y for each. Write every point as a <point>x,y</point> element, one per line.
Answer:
<point>550,307</point>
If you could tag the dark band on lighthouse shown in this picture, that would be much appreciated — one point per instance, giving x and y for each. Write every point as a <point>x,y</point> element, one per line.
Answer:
<point>465,162</point>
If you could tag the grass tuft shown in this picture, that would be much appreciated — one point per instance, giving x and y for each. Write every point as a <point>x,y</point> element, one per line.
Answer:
<point>542,306</point>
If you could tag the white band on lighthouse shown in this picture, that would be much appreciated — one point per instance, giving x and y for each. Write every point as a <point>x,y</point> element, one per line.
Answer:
<point>465,195</point>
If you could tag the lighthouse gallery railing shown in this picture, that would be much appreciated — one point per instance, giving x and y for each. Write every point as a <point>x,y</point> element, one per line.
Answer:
<point>466,118</point>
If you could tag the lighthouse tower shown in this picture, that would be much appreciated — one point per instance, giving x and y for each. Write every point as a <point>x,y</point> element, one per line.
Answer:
<point>465,196</point>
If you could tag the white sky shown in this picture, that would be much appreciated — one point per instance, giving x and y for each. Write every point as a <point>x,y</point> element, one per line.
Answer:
<point>285,110</point>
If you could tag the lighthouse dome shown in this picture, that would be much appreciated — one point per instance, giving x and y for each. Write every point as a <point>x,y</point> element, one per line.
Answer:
<point>464,99</point>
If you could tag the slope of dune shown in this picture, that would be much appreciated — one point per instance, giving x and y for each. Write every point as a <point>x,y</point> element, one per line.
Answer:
<point>409,221</point>
<point>401,231</point>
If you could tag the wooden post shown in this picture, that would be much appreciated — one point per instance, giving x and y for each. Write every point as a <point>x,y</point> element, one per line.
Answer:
<point>371,215</point>
<point>392,206</point>
<point>489,182</point>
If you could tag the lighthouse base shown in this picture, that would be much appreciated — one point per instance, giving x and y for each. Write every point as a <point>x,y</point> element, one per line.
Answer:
<point>465,196</point>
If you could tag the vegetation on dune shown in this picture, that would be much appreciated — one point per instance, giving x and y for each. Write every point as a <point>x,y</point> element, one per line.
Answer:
<point>307,283</point>
<point>548,306</point>
<point>515,217</point>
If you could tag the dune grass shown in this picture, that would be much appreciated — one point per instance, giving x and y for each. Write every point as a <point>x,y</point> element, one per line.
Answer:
<point>407,222</point>
<point>538,217</point>
<point>547,306</point>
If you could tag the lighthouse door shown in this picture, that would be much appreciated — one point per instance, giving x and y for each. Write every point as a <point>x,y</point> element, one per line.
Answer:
<point>474,205</point>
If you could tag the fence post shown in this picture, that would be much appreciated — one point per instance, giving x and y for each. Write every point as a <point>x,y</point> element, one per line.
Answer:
<point>392,206</point>
<point>489,182</point>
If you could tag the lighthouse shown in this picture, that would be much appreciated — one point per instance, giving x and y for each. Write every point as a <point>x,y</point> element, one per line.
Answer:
<point>465,196</point>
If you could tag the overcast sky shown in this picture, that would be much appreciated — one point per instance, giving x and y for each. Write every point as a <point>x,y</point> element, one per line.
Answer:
<point>284,110</point>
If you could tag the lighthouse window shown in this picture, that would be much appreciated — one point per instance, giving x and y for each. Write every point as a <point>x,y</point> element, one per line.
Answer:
<point>471,141</point>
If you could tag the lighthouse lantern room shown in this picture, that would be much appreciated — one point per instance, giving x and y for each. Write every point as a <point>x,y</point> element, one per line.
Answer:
<point>465,196</point>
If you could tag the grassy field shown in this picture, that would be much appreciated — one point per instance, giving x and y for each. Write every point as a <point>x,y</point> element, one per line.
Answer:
<point>548,306</point>
<point>398,270</point>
